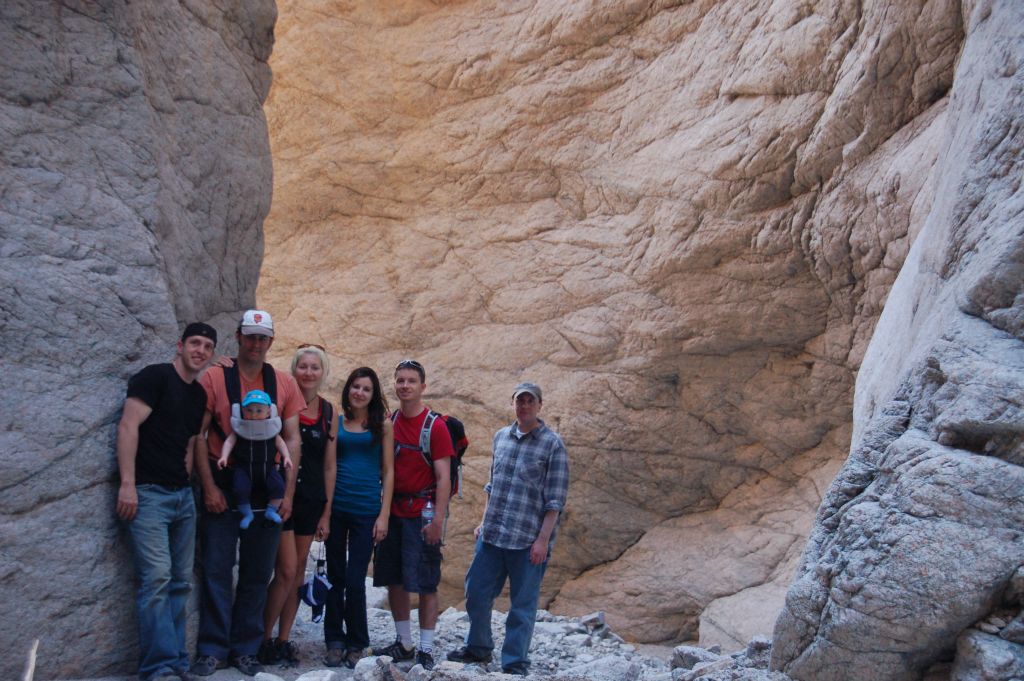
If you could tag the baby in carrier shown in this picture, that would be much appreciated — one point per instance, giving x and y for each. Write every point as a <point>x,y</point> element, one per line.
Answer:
<point>256,441</point>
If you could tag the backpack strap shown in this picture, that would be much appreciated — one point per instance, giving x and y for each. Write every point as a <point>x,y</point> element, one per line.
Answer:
<point>269,382</point>
<point>233,383</point>
<point>428,423</point>
<point>326,417</point>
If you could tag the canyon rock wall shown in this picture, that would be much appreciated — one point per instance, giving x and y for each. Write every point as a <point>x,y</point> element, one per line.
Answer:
<point>921,533</point>
<point>135,174</point>
<point>681,219</point>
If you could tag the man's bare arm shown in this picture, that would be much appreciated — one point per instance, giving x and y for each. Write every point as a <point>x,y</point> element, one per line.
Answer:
<point>135,412</point>
<point>213,498</point>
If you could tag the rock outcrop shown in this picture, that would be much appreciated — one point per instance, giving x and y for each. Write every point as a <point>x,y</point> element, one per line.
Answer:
<point>922,531</point>
<point>135,170</point>
<point>681,219</point>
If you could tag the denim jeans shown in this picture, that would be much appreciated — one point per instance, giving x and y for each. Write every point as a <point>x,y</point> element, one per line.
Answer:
<point>485,578</point>
<point>345,622</point>
<point>231,621</point>
<point>163,539</point>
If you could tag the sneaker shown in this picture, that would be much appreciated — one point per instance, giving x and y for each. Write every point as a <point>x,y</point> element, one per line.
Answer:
<point>165,676</point>
<point>247,664</point>
<point>353,657</point>
<point>513,671</point>
<point>467,656</point>
<point>335,657</point>
<point>206,665</point>
<point>396,651</point>
<point>268,653</point>
<point>425,659</point>
<point>287,654</point>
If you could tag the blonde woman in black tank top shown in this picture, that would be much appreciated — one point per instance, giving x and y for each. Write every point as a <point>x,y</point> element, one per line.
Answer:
<point>311,509</point>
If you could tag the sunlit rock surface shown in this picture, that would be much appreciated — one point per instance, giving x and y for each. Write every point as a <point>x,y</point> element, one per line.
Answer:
<point>135,175</point>
<point>681,220</point>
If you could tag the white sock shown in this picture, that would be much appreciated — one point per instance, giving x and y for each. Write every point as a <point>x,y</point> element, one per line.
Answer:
<point>404,630</point>
<point>426,640</point>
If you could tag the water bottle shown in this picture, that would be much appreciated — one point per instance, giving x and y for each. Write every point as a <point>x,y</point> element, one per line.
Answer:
<point>427,514</point>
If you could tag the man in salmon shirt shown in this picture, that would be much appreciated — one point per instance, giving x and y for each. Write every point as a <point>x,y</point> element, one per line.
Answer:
<point>409,559</point>
<point>231,624</point>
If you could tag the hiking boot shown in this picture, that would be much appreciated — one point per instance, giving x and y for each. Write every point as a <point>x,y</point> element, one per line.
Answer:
<point>184,675</point>
<point>425,659</point>
<point>206,665</point>
<point>247,664</point>
<point>514,671</point>
<point>396,651</point>
<point>287,654</point>
<point>353,657</point>
<point>267,653</point>
<point>335,657</point>
<point>467,656</point>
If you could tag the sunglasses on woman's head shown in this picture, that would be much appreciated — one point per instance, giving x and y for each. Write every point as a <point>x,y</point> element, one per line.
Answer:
<point>312,345</point>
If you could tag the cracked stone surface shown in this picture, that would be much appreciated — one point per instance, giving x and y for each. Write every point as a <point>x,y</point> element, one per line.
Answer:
<point>919,536</point>
<point>134,160</point>
<point>683,220</point>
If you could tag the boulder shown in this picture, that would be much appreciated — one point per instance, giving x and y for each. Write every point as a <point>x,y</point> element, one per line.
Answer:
<point>608,668</point>
<point>135,169</point>
<point>982,657</point>
<point>688,657</point>
<point>919,535</point>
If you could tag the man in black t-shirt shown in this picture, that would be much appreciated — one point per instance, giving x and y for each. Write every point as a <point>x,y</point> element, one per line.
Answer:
<point>162,415</point>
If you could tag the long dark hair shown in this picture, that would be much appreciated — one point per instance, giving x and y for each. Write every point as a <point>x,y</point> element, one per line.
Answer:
<point>376,410</point>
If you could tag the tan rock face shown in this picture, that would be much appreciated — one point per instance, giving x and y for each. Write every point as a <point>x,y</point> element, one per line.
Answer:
<point>681,220</point>
<point>134,175</point>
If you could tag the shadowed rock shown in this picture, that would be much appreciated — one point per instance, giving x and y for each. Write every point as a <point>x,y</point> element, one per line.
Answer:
<point>135,175</point>
<point>920,534</point>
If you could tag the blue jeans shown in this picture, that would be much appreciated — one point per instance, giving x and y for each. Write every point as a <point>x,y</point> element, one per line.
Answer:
<point>163,539</point>
<point>485,578</point>
<point>346,601</point>
<point>231,622</point>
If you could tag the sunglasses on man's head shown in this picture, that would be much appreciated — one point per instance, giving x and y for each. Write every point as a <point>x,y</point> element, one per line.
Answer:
<point>409,364</point>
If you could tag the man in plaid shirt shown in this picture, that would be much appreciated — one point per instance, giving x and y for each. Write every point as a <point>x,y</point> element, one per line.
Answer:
<point>526,493</point>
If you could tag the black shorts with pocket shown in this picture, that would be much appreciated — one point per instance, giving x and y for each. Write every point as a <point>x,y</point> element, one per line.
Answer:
<point>404,559</point>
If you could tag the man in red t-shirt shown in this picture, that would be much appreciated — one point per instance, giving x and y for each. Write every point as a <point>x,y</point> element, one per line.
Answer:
<point>409,558</point>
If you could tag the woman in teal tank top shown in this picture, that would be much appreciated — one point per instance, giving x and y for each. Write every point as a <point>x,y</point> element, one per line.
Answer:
<point>359,512</point>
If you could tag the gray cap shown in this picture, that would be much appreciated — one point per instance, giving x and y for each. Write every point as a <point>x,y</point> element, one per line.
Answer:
<point>531,388</point>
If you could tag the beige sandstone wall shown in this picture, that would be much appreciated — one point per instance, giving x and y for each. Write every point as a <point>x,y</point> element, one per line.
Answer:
<point>682,219</point>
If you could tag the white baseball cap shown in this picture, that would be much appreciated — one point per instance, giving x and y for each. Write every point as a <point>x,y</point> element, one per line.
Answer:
<point>257,323</point>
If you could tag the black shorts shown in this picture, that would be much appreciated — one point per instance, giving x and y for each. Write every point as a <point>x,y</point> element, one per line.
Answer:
<point>305,516</point>
<point>404,559</point>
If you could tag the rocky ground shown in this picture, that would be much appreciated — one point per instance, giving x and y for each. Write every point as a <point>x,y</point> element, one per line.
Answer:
<point>564,648</point>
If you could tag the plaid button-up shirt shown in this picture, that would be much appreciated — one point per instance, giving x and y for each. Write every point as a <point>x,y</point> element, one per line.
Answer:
<point>529,477</point>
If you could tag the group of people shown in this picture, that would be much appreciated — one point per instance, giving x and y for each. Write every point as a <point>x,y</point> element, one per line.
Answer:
<point>368,482</point>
